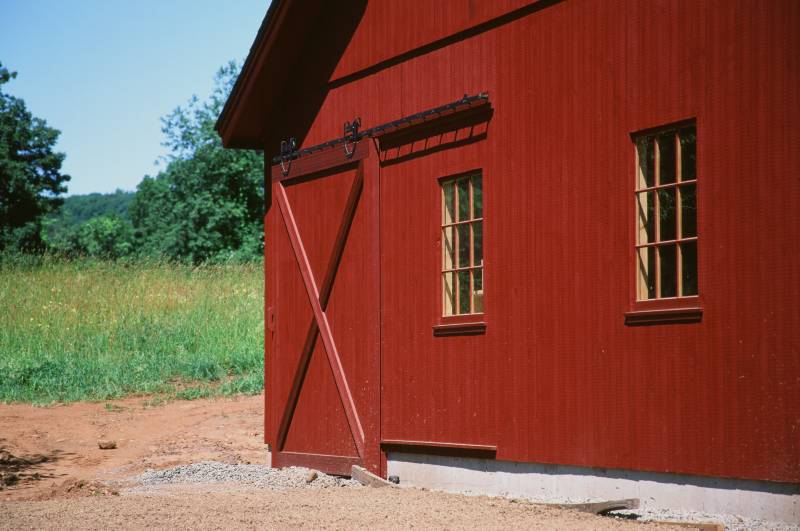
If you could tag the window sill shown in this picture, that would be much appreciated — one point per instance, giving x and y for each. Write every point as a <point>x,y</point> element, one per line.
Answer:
<point>692,314</point>
<point>473,327</point>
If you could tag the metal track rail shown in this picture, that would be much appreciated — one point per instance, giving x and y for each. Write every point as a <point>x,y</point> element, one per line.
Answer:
<point>352,135</point>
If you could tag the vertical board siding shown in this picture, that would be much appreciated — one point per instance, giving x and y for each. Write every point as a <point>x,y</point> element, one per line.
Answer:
<point>319,424</point>
<point>323,232</point>
<point>292,317</point>
<point>402,26</point>
<point>557,377</point>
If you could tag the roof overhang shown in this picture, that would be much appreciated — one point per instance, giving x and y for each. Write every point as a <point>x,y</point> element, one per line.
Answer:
<point>285,76</point>
<point>235,124</point>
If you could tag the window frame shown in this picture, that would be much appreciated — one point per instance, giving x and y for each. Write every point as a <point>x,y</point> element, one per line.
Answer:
<point>466,323</point>
<point>674,309</point>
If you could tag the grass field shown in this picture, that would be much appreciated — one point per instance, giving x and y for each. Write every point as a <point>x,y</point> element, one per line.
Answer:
<point>92,330</point>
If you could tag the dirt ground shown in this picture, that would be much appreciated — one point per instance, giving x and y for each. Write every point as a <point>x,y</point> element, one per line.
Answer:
<point>59,469</point>
<point>147,436</point>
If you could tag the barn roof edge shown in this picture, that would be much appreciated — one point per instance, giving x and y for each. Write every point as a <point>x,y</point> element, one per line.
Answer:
<point>268,26</point>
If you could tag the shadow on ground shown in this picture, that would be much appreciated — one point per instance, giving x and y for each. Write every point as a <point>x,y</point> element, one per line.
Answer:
<point>15,470</point>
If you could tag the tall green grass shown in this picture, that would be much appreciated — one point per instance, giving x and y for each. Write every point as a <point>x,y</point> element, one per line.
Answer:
<point>94,330</point>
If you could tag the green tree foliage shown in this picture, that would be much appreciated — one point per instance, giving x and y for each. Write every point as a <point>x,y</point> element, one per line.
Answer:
<point>79,208</point>
<point>207,204</point>
<point>62,226</point>
<point>103,237</point>
<point>30,172</point>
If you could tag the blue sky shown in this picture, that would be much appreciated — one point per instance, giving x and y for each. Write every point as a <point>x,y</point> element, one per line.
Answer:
<point>103,72</point>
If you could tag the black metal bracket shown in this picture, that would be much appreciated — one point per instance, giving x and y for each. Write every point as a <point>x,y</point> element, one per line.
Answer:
<point>351,136</point>
<point>288,150</point>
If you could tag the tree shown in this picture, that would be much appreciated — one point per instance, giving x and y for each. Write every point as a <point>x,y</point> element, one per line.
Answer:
<point>103,237</point>
<point>60,227</point>
<point>208,203</point>
<point>30,172</point>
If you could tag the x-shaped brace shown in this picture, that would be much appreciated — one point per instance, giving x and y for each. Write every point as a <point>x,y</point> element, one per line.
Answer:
<point>319,302</point>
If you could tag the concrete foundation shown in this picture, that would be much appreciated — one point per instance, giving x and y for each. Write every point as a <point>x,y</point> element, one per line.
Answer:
<point>556,483</point>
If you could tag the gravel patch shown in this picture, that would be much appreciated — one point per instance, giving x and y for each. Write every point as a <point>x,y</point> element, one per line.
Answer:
<point>254,476</point>
<point>264,477</point>
<point>731,522</point>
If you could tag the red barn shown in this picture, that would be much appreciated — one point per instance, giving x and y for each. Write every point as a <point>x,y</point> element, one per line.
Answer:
<point>515,245</point>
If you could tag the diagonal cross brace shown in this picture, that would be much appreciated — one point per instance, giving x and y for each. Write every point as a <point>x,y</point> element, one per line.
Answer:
<point>319,301</point>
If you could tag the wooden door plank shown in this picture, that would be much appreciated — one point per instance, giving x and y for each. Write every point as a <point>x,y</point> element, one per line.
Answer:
<point>330,464</point>
<point>341,237</point>
<point>325,290</point>
<point>297,383</point>
<point>320,161</point>
<point>375,458</point>
<point>321,319</point>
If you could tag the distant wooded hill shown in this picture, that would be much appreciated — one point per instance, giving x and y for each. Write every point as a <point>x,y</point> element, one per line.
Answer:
<point>78,209</point>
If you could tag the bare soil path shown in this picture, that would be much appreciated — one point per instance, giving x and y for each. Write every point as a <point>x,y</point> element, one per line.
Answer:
<point>52,449</point>
<point>346,508</point>
<point>227,430</point>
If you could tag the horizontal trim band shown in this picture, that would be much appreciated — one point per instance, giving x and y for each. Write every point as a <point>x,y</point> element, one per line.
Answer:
<point>330,464</point>
<point>459,329</point>
<point>439,448</point>
<point>664,316</point>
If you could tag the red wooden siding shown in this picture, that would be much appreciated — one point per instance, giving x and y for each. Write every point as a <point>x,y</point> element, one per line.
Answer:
<point>558,377</point>
<point>400,27</point>
<point>325,314</point>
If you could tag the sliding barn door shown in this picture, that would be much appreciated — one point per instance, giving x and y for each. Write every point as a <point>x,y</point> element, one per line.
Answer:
<point>323,352</point>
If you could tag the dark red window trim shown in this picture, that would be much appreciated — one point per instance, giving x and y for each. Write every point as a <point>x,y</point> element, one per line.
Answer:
<point>671,310</point>
<point>689,314</point>
<point>460,325</point>
<point>440,448</point>
<point>466,324</point>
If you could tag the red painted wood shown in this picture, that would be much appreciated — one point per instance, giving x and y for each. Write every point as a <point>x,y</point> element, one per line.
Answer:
<point>449,449</point>
<point>326,383</point>
<point>317,422</point>
<point>668,315</point>
<point>324,294</point>
<point>449,445</point>
<point>402,27</point>
<point>321,161</point>
<point>558,377</point>
<point>459,328</point>
<point>362,270</point>
<point>322,321</point>
<point>331,464</point>
<point>270,259</point>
